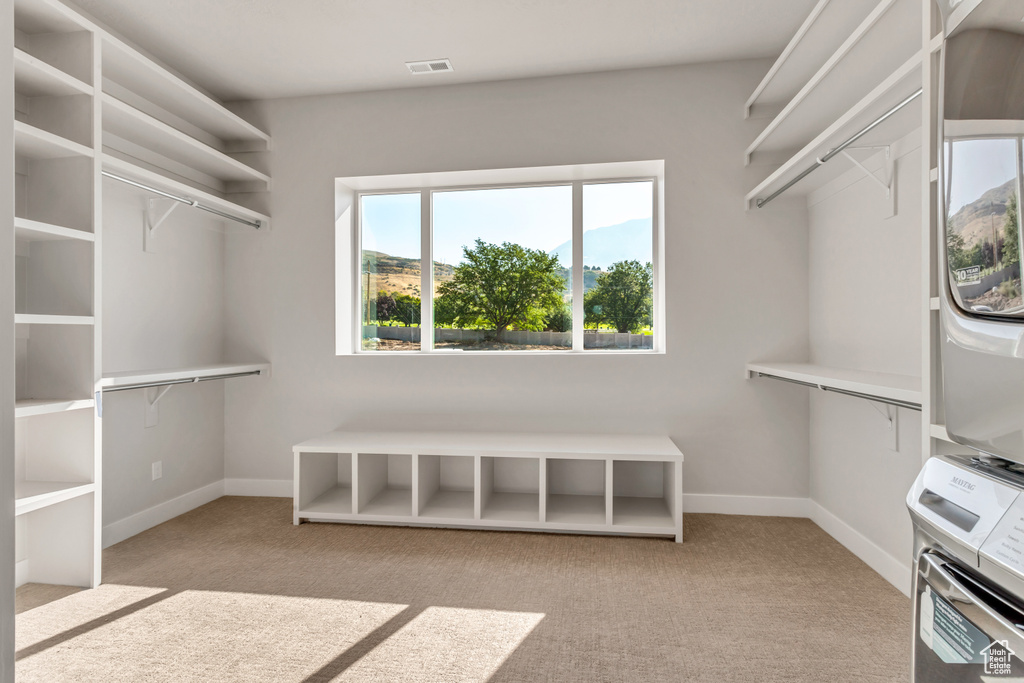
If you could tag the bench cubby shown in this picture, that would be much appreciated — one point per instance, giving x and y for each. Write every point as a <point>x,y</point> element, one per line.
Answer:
<point>605,484</point>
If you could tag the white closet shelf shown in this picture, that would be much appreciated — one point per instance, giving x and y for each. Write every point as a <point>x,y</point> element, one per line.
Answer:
<point>133,377</point>
<point>829,24</point>
<point>41,319</point>
<point>33,495</point>
<point>880,41</point>
<point>890,92</point>
<point>46,16</point>
<point>34,78</point>
<point>902,388</point>
<point>36,143</point>
<point>154,179</point>
<point>147,79</point>
<point>35,231</point>
<point>125,121</point>
<point>30,407</point>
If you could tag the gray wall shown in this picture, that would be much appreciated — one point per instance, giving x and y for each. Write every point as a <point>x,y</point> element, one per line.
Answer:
<point>7,344</point>
<point>161,309</point>
<point>736,281</point>
<point>864,277</point>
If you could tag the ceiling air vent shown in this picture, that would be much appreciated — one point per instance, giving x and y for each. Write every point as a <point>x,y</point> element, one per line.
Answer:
<point>430,66</point>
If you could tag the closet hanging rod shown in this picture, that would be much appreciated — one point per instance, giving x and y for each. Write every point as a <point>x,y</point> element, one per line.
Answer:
<point>836,150</point>
<point>184,380</point>
<point>846,392</point>
<point>183,200</point>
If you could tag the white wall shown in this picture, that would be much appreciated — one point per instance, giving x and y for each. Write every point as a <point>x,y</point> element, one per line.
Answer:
<point>161,309</point>
<point>736,282</point>
<point>865,281</point>
<point>7,550</point>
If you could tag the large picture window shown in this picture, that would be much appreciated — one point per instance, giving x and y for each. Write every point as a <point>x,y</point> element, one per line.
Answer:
<point>555,267</point>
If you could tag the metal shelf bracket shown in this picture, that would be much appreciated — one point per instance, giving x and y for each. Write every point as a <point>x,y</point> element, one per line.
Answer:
<point>889,184</point>
<point>158,210</point>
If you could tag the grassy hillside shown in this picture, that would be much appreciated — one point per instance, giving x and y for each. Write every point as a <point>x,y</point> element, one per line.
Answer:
<point>976,222</point>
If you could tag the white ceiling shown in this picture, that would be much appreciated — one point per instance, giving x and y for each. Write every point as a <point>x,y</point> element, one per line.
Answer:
<point>256,49</point>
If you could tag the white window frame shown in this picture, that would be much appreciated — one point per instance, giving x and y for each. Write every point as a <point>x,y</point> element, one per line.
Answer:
<point>349,193</point>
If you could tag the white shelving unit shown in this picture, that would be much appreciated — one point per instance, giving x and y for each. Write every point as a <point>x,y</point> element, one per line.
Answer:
<point>556,482</point>
<point>85,103</point>
<point>57,432</point>
<point>850,63</point>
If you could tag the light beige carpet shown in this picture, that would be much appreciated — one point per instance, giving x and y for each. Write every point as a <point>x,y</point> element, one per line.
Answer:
<point>233,591</point>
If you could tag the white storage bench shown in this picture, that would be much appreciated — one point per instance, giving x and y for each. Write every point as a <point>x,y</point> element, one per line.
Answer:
<point>591,483</point>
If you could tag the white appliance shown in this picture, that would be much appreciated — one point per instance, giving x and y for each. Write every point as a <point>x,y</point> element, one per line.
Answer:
<point>968,518</point>
<point>968,513</point>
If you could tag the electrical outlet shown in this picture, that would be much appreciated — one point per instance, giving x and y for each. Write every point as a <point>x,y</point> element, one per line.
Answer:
<point>158,469</point>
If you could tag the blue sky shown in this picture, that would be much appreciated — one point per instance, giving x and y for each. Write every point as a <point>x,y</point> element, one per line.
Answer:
<point>535,217</point>
<point>979,166</point>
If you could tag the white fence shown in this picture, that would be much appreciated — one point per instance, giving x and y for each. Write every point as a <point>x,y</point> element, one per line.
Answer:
<point>592,339</point>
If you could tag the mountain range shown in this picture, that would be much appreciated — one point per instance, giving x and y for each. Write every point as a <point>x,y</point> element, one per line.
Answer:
<point>629,241</point>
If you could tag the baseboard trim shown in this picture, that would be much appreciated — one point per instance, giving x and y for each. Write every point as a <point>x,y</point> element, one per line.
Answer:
<point>891,569</point>
<point>120,530</point>
<point>21,573</point>
<point>266,488</point>
<point>760,506</point>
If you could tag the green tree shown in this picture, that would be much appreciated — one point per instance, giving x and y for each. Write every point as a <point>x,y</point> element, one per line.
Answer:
<point>385,307</point>
<point>407,309</point>
<point>956,254</point>
<point>559,319</point>
<point>502,286</point>
<point>622,297</point>
<point>1011,243</point>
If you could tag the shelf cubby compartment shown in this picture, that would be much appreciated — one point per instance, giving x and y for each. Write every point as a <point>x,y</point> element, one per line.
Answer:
<point>323,485</point>
<point>54,197</point>
<point>576,491</point>
<point>384,485</point>
<point>445,486</point>
<point>33,142</point>
<point>53,364</point>
<point>53,459</point>
<point>35,78</point>
<point>56,35</point>
<point>55,543</point>
<point>643,494</point>
<point>54,278</point>
<point>510,489</point>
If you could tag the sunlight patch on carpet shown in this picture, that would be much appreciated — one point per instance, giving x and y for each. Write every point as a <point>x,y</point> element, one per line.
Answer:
<point>62,616</point>
<point>445,644</point>
<point>216,636</point>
